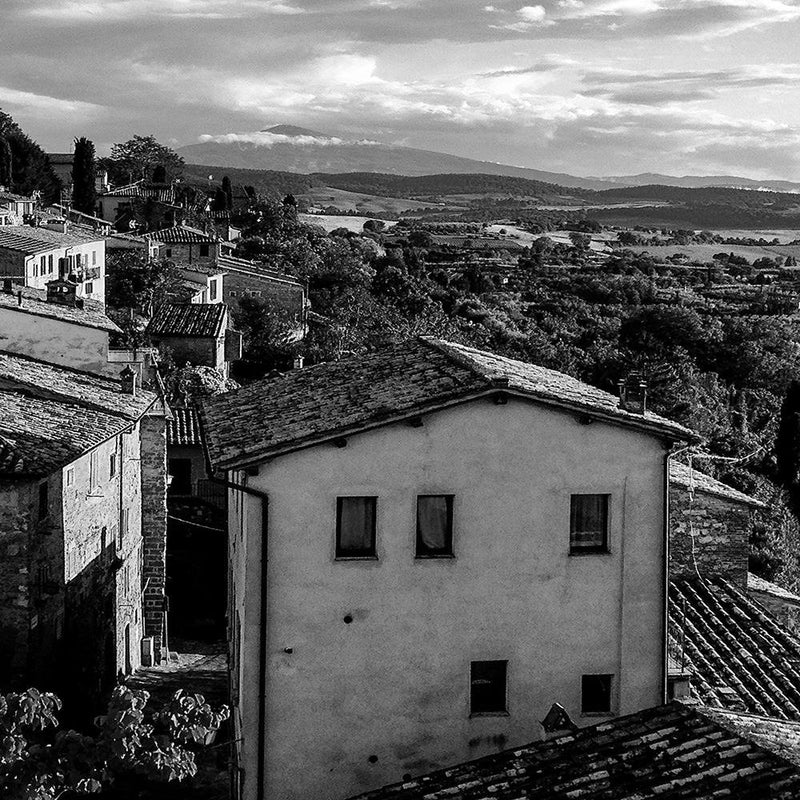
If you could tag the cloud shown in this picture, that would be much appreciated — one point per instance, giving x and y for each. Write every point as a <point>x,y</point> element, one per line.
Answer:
<point>268,140</point>
<point>40,104</point>
<point>105,11</point>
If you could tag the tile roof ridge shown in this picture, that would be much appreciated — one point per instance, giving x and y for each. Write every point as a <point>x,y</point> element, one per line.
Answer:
<point>456,356</point>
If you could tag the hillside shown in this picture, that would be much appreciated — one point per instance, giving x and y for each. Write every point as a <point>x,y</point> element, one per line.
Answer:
<point>701,181</point>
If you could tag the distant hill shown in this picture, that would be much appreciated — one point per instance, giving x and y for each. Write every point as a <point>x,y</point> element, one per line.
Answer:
<point>288,148</point>
<point>701,181</point>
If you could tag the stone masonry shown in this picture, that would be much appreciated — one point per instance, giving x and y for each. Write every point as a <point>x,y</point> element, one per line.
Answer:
<point>154,529</point>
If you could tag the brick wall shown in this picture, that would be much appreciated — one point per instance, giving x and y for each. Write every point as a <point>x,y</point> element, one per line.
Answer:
<point>154,528</point>
<point>721,536</point>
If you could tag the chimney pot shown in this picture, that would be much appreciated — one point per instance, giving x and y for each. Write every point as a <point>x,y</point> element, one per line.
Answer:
<point>298,362</point>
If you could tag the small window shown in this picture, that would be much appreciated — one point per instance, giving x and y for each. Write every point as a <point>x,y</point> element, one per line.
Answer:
<point>487,687</point>
<point>596,694</point>
<point>231,294</point>
<point>112,465</point>
<point>103,538</point>
<point>168,252</point>
<point>212,289</point>
<point>44,498</point>
<point>50,264</point>
<point>203,250</point>
<point>94,258</point>
<point>94,470</point>
<point>89,288</point>
<point>43,264</point>
<point>434,525</point>
<point>69,476</point>
<point>588,524</point>
<point>355,527</point>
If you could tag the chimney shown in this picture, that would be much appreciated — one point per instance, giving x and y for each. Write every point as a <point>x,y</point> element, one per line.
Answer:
<point>63,292</point>
<point>557,722</point>
<point>633,394</point>
<point>298,362</point>
<point>128,378</point>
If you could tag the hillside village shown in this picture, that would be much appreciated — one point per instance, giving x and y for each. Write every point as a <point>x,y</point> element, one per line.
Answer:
<point>486,496</point>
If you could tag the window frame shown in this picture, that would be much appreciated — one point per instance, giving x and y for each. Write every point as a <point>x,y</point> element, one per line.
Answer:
<point>602,549</point>
<point>447,551</point>
<point>370,554</point>
<point>598,712</point>
<point>497,712</point>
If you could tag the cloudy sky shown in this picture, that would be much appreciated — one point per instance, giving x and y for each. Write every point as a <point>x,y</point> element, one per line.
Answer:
<point>590,87</point>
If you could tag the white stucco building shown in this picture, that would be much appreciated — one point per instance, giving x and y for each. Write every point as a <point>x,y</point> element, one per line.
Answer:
<point>430,546</point>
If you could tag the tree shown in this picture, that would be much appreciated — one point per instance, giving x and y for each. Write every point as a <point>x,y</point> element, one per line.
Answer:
<point>188,383</point>
<point>228,192</point>
<point>5,163</point>
<point>138,159</point>
<point>269,333</point>
<point>787,444</point>
<point>133,746</point>
<point>84,173</point>
<point>31,169</point>
<point>580,241</point>
<point>135,282</point>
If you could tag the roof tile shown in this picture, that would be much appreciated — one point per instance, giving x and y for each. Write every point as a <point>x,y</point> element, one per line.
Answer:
<point>188,319</point>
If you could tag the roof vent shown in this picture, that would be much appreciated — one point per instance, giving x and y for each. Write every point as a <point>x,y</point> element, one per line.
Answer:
<point>128,378</point>
<point>633,393</point>
<point>558,722</point>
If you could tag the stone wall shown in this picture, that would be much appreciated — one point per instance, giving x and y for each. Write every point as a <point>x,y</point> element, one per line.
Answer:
<point>154,529</point>
<point>285,296</point>
<point>197,350</point>
<point>721,531</point>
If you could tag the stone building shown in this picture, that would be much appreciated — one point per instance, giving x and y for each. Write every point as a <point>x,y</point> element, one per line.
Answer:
<point>117,205</point>
<point>73,485</point>
<point>189,247</point>
<point>197,334</point>
<point>35,256</point>
<point>436,544</point>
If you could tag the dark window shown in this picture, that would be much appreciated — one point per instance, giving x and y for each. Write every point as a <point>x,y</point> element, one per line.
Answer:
<point>596,694</point>
<point>90,288</point>
<point>103,539</point>
<point>588,523</point>
<point>355,527</point>
<point>43,499</point>
<point>181,471</point>
<point>434,525</point>
<point>168,252</point>
<point>112,465</point>
<point>487,687</point>
<point>203,250</point>
<point>212,289</point>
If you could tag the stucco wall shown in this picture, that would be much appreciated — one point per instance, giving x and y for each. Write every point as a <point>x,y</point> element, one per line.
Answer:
<point>394,684</point>
<point>56,341</point>
<point>709,535</point>
<point>93,260</point>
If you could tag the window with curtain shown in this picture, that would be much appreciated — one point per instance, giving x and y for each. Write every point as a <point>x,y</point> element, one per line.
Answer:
<point>588,523</point>
<point>355,527</point>
<point>434,525</point>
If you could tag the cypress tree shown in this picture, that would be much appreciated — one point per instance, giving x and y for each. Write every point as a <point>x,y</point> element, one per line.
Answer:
<point>5,163</point>
<point>84,172</point>
<point>228,190</point>
<point>31,169</point>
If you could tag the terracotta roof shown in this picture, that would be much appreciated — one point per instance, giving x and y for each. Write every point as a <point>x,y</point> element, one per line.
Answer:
<point>316,404</point>
<point>255,270</point>
<point>164,194</point>
<point>34,301</point>
<point>692,479</point>
<point>184,427</point>
<point>739,656</point>
<point>188,319</point>
<point>756,584</point>
<point>675,752</point>
<point>51,415</point>
<point>181,234</point>
<point>30,240</point>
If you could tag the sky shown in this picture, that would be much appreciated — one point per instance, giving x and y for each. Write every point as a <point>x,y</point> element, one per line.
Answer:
<point>588,87</point>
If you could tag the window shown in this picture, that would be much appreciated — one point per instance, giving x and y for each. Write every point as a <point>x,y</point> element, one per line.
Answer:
<point>180,470</point>
<point>112,465</point>
<point>203,250</point>
<point>123,525</point>
<point>103,539</point>
<point>434,525</point>
<point>588,524</point>
<point>212,289</point>
<point>596,694</point>
<point>94,258</point>
<point>168,252</point>
<point>69,476</point>
<point>487,687</point>
<point>89,288</point>
<point>355,527</point>
<point>42,264</point>
<point>94,470</point>
<point>231,294</point>
<point>44,497</point>
<point>50,264</point>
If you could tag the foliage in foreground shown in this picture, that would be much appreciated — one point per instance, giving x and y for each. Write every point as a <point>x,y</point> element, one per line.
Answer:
<point>39,760</point>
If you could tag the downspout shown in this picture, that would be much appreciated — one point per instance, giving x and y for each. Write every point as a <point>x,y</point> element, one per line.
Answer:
<point>262,639</point>
<point>665,570</point>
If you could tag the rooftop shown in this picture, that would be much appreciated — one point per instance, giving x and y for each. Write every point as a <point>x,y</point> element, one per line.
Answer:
<point>241,265</point>
<point>51,415</point>
<point>688,478</point>
<point>17,198</point>
<point>164,194</point>
<point>30,240</point>
<point>184,427</point>
<point>739,656</point>
<point>181,234</point>
<point>674,752</point>
<point>756,584</point>
<point>189,319</point>
<point>335,399</point>
<point>34,301</point>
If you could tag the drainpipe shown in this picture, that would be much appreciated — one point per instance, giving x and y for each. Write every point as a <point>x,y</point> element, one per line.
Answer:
<point>262,638</point>
<point>671,453</point>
